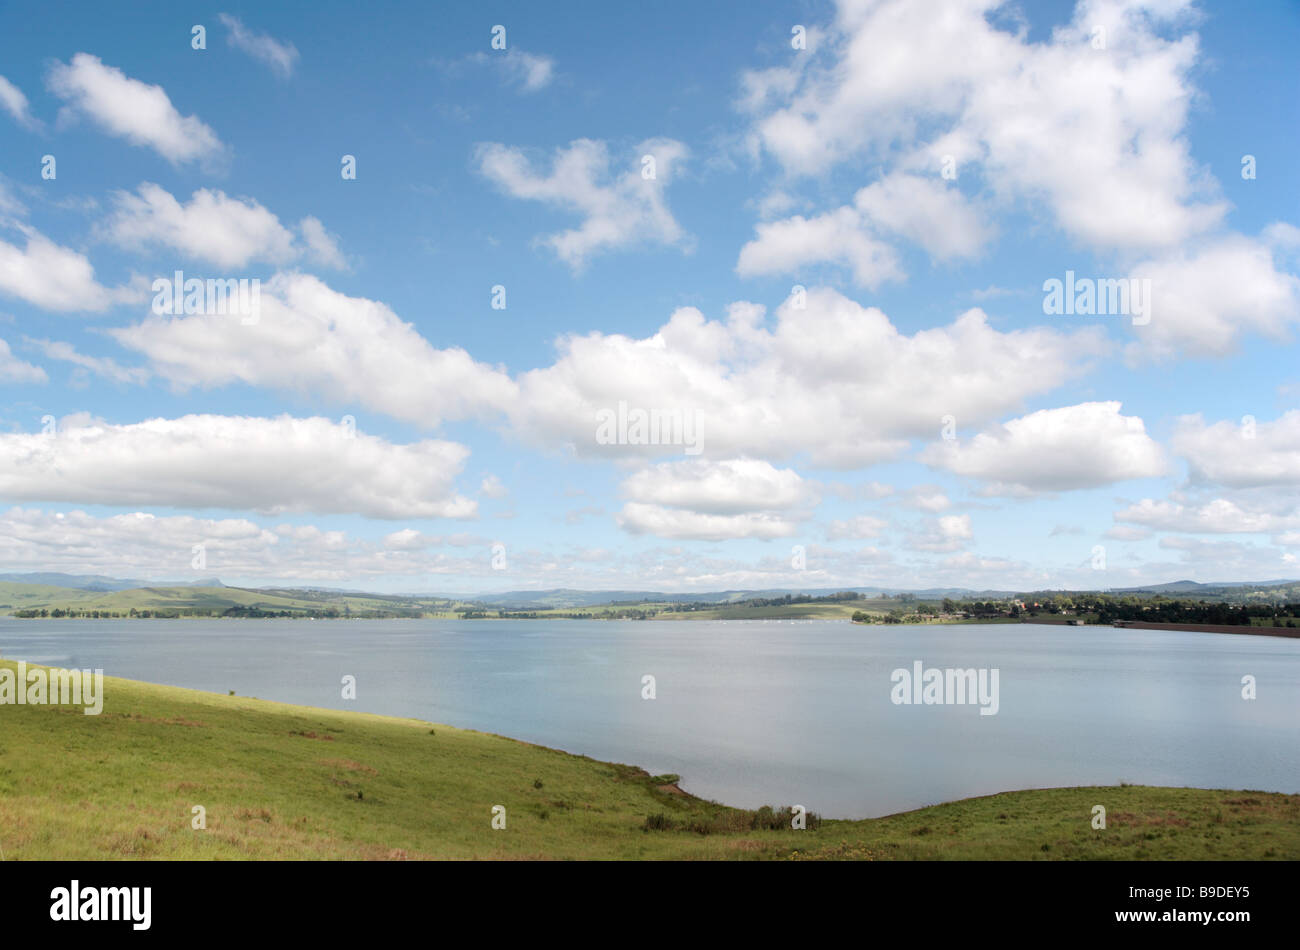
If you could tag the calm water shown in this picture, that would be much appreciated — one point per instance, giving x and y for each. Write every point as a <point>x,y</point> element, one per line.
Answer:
<point>753,712</point>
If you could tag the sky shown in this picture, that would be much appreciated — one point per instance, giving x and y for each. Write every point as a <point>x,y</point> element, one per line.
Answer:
<point>869,293</point>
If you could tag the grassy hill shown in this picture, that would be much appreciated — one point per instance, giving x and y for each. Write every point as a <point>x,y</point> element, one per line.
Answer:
<point>281,781</point>
<point>214,600</point>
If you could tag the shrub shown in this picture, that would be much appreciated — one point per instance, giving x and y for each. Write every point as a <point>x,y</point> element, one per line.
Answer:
<point>658,822</point>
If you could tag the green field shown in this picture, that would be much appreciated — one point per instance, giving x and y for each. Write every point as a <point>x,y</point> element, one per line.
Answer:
<point>281,781</point>
<point>213,600</point>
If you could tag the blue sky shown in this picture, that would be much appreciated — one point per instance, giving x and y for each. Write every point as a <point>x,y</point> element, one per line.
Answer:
<point>912,418</point>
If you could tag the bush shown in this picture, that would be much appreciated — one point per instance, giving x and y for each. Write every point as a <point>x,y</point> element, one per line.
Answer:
<point>658,822</point>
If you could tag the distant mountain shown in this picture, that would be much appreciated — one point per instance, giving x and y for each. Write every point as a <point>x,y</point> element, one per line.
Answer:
<point>1195,587</point>
<point>98,583</point>
<point>563,597</point>
<point>90,582</point>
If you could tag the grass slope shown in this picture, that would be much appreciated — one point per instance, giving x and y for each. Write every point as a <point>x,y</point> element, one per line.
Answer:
<point>281,781</point>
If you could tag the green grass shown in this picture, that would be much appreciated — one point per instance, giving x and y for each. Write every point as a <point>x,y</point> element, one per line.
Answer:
<point>280,781</point>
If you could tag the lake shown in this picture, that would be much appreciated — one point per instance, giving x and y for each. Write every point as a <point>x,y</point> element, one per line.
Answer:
<point>763,712</point>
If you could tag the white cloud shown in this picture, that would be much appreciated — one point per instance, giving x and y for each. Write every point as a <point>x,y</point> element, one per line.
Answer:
<point>927,498</point>
<point>953,83</point>
<point>1124,532</point>
<point>837,237</point>
<point>281,57</point>
<point>1074,447</point>
<point>309,338</point>
<point>799,387</point>
<point>14,102</point>
<point>265,465</point>
<point>215,228</point>
<point>322,246</point>
<point>103,366</point>
<point>1220,516</point>
<point>863,526</point>
<point>53,277</point>
<point>730,486</point>
<point>948,533</point>
<point>136,111</point>
<point>1230,560</point>
<point>14,370</point>
<point>1202,301</point>
<point>1240,455</point>
<point>926,211</point>
<point>529,71</point>
<point>705,500</point>
<point>227,232</point>
<point>1250,455</point>
<point>493,488</point>
<point>921,210</point>
<point>148,546</point>
<point>619,207</point>
<point>679,523</point>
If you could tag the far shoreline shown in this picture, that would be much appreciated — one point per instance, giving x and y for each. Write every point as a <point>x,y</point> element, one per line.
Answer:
<point>1292,633</point>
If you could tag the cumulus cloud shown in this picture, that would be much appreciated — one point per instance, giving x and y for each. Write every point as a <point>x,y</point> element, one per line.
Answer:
<point>948,533</point>
<point>322,246</point>
<point>837,237</point>
<point>925,211</point>
<point>1247,454</point>
<point>707,500</point>
<point>921,210</point>
<point>281,57</point>
<point>265,465</point>
<point>130,109</point>
<point>833,379</point>
<point>729,486</point>
<point>1219,516</point>
<point>1075,447</point>
<point>215,228</point>
<point>1204,300</point>
<point>619,205</point>
<point>57,278</point>
<point>958,84</point>
<point>211,227</point>
<point>310,338</point>
<point>965,97</point>
<point>680,523</point>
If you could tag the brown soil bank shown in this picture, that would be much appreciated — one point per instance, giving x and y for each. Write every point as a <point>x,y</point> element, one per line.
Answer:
<point>1293,632</point>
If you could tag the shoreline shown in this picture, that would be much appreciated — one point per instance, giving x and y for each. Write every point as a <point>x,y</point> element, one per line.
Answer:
<point>667,785</point>
<point>1288,632</point>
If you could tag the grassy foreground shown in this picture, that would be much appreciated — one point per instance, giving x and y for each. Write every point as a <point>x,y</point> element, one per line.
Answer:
<point>280,781</point>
